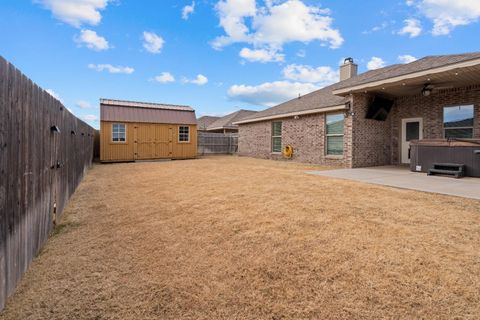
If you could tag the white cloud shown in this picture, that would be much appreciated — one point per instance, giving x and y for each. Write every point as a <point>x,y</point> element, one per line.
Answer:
<point>111,69</point>
<point>152,42</point>
<point>448,14</point>
<point>54,94</point>
<point>232,14</point>
<point>165,77</point>
<point>321,76</point>
<point>199,80</point>
<point>76,12</point>
<point>261,55</point>
<point>412,28</point>
<point>406,58</point>
<point>92,40</point>
<point>274,24</point>
<point>84,104</point>
<point>269,94</point>
<point>375,63</point>
<point>90,117</point>
<point>188,10</point>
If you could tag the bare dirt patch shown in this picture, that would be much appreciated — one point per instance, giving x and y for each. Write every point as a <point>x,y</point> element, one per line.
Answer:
<point>239,238</point>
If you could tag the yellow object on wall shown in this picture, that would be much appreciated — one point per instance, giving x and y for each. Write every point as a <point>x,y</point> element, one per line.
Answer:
<point>288,151</point>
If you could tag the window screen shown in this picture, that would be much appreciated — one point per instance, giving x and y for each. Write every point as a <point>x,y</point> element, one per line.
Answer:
<point>183,134</point>
<point>119,132</point>
<point>334,134</point>
<point>458,121</point>
<point>277,136</point>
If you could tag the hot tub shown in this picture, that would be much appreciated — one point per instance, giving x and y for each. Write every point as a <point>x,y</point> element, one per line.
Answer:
<point>424,153</point>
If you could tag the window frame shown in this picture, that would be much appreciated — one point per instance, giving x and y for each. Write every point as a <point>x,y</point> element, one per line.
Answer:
<point>276,137</point>
<point>179,134</point>
<point>125,133</point>
<point>445,129</point>
<point>327,135</point>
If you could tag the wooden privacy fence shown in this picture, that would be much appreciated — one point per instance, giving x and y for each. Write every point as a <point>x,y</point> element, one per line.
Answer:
<point>44,153</point>
<point>216,143</point>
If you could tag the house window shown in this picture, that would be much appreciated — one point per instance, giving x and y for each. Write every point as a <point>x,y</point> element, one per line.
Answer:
<point>119,132</point>
<point>335,134</point>
<point>183,134</point>
<point>277,136</point>
<point>458,122</point>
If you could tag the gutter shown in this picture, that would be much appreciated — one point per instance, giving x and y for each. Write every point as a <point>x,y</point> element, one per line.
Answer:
<point>465,64</point>
<point>293,114</point>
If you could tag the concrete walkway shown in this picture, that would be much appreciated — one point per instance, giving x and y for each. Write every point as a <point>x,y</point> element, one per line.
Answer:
<point>402,177</point>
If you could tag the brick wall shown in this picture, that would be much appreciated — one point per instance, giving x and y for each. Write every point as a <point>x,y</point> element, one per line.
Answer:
<point>371,145</point>
<point>306,135</point>
<point>366,142</point>
<point>430,109</point>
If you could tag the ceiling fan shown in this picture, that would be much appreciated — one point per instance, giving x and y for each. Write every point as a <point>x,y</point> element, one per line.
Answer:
<point>428,88</point>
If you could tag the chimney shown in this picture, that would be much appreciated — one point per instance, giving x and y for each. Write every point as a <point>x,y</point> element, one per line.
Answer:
<point>348,69</point>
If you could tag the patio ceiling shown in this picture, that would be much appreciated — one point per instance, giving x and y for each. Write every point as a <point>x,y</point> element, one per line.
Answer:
<point>412,85</point>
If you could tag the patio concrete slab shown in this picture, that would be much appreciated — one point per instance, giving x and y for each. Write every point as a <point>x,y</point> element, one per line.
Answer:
<point>402,177</point>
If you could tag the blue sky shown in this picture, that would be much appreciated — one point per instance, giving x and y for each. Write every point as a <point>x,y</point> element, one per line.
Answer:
<point>219,56</point>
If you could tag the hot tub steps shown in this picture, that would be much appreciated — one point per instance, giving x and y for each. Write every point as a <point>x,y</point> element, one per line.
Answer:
<point>454,169</point>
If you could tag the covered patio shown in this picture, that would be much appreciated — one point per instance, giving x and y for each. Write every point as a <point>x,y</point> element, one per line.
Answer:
<point>436,98</point>
<point>402,177</point>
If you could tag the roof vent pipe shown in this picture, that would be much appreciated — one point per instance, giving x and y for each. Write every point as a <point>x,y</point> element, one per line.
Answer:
<point>348,69</point>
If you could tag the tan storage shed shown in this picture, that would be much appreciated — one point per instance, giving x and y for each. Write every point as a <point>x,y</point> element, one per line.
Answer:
<point>132,131</point>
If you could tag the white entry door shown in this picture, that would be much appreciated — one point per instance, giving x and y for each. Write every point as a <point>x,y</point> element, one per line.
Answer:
<point>412,129</point>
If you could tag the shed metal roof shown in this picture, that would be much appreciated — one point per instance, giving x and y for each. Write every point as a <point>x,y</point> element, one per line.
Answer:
<point>133,111</point>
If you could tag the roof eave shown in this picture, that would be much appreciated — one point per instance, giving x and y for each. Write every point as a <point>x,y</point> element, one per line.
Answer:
<point>292,114</point>
<point>347,90</point>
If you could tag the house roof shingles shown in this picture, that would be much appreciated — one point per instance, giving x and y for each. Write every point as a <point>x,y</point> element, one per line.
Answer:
<point>322,98</point>
<point>325,98</point>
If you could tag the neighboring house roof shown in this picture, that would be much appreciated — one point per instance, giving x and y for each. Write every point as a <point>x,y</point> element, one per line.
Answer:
<point>205,121</point>
<point>413,69</point>
<point>133,111</point>
<point>227,122</point>
<point>329,98</point>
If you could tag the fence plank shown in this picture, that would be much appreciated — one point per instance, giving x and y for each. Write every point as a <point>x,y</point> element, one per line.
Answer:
<point>30,180</point>
<point>3,182</point>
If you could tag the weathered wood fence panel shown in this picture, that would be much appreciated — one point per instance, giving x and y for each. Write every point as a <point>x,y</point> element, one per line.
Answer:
<point>40,168</point>
<point>216,143</point>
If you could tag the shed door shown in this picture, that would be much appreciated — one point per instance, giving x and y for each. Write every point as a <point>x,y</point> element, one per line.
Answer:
<point>152,141</point>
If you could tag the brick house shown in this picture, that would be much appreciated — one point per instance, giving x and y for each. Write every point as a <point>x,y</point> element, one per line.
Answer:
<point>369,119</point>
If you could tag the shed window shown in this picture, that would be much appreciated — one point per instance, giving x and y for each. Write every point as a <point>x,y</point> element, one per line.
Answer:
<point>119,132</point>
<point>277,136</point>
<point>458,122</point>
<point>184,134</point>
<point>334,134</point>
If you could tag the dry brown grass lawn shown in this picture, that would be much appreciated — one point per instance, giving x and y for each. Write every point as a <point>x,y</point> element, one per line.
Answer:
<point>239,238</point>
